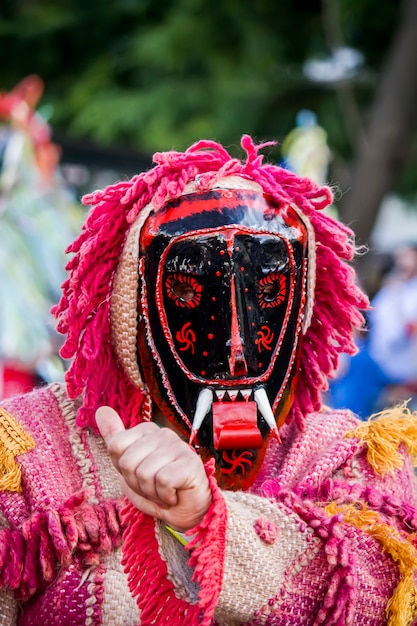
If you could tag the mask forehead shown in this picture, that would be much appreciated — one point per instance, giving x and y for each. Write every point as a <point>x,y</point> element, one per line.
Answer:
<point>221,207</point>
<point>222,292</point>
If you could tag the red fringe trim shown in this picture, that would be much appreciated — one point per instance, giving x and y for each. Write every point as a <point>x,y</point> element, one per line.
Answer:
<point>147,571</point>
<point>29,556</point>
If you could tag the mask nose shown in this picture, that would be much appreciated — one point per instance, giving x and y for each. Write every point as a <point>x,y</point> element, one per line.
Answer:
<point>237,361</point>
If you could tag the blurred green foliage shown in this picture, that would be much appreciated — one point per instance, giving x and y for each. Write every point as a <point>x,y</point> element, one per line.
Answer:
<point>159,75</point>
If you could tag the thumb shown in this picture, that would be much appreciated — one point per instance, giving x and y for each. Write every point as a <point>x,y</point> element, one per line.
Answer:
<point>108,422</point>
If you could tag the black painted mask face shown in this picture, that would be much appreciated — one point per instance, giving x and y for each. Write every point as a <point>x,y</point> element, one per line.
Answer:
<point>222,295</point>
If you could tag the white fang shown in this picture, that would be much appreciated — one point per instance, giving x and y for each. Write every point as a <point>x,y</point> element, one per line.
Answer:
<point>203,406</point>
<point>264,407</point>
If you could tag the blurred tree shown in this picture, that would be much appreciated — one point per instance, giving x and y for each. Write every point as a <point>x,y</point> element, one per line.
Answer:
<point>385,149</point>
<point>161,75</point>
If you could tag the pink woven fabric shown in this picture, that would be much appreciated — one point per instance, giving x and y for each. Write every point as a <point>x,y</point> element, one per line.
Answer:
<point>334,573</point>
<point>62,529</point>
<point>270,556</point>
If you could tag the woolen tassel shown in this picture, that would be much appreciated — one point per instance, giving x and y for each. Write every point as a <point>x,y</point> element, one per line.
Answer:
<point>208,548</point>
<point>11,475</point>
<point>148,575</point>
<point>13,441</point>
<point>383,433</point>
<point>402,607</point>
<point>338,608</point>
<point>30,556</point>
<point>31,575</point>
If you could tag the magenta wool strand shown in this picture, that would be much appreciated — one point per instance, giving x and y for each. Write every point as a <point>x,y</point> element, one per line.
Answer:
<point>147,578</point>
<point>343,493</point>
<point>29,557</point>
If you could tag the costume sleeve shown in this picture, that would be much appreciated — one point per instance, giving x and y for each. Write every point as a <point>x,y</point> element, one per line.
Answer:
<point>306,567</point>
<point>292,563</point>
<point>338,550</point>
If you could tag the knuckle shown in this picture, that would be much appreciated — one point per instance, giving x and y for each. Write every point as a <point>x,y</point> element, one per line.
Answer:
<point>148,427</point>
<point>124,464</point>
<point>115,446</point>
<point>168,435</point>
<point>163,477</point>
<point>142,476</point>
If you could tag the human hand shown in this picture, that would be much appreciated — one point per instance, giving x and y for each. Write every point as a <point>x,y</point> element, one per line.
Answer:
<point>161,475</point>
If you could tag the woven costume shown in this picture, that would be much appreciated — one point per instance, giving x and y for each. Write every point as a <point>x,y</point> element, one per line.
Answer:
<point>286,558</point>
<point>324,530</point>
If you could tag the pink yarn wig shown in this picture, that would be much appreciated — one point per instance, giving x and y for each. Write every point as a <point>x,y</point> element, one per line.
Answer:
<point>83,312</point>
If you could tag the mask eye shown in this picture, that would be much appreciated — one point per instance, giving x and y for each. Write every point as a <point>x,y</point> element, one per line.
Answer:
<point>184,290</point>
<point>272,290</point>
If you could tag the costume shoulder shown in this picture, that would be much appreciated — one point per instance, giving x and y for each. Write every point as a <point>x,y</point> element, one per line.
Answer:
<point>32,427</point>
<point>319,448</point>
<point>60,510</point>
<point>327,531</point>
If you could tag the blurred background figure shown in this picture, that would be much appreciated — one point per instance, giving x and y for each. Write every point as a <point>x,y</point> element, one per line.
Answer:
<point>38,219</point>
<point>360,382</point>
<point>393,326</point>
<point>384,371</point>
<point>305,150</point>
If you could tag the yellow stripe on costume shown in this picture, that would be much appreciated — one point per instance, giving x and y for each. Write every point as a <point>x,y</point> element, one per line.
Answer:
<point>402,607</point>
<point>383,433</point>
<point>13,441</point>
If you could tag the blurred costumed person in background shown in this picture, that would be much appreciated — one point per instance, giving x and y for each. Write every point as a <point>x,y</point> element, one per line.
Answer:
<point>393,326</point>
<point>360,379</point>
<point>305,150</point>
<point>206,305</point>
<point>38,218</point>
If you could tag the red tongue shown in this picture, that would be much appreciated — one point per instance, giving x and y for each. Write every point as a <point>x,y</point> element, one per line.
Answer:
<point>235,425</point>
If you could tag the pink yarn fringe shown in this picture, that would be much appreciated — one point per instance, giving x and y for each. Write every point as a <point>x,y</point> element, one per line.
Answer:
<point>29,556</point>
<point>387,504</point>
<point>83,312</point>
<point>339,604</point>
<point>147,571</point>
<point>338,608</point>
